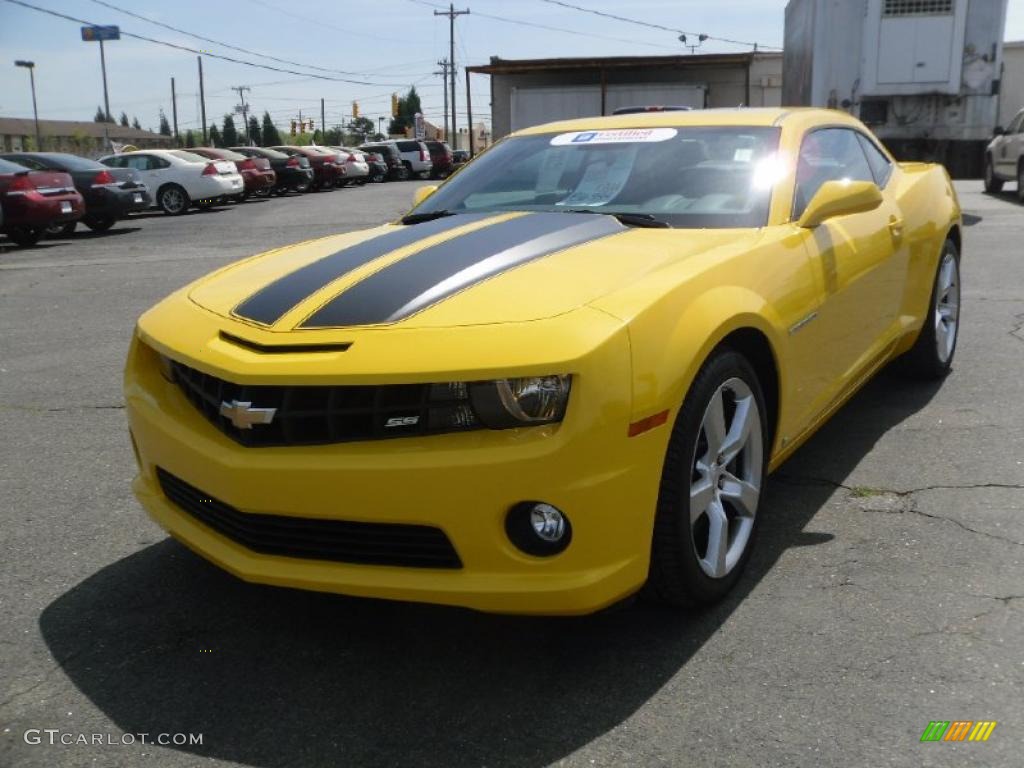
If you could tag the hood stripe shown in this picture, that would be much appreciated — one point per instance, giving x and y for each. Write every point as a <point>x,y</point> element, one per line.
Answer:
<point>272,302</point>
<point>433,274</point>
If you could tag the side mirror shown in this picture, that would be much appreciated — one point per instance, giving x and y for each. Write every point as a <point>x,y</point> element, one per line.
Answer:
<point>998,131</point>
<point>840,198</point>
<point>422,193</point>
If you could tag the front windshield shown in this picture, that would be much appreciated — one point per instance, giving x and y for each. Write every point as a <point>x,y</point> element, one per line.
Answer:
<point>688,177</point>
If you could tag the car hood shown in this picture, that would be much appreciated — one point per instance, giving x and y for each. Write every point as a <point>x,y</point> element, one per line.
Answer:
<point>470,269</point>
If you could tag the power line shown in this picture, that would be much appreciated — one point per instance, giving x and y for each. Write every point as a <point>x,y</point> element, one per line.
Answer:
<point>221,43</point>
<point>186,48</point>
<point>652,25</point>
<point>550,28</point>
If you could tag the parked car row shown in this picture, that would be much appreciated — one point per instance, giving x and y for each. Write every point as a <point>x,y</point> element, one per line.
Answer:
<point>51,192</point>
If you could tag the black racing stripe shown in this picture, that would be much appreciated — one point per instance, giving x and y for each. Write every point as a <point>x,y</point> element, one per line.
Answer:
<point>271,302</point>
<point>433,274</point>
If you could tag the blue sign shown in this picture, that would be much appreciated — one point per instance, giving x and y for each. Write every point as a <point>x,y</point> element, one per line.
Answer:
<point>92,34</point>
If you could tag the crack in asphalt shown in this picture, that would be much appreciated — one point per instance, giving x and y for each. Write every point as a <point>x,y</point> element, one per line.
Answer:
<point>909,507</point>
<point>62,409</point>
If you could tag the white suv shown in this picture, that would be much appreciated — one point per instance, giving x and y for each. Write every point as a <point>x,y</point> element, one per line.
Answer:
<point>1004,157</point>
<point>415,156</point>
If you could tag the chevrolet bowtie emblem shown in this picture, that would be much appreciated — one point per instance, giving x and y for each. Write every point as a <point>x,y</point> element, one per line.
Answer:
<point>243,415</point>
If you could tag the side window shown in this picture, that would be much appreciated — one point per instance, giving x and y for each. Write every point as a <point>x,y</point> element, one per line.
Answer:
<point>114,162</point>
<point>1018,125</point>
<point>880,165</point>
<point>157,162</point>
<point>138,162</point>
<point>30,162</point>
<point>829,154</point>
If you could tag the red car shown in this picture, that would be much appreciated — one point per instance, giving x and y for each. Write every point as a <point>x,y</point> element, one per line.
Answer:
<point>34,200</point>
<point>256,172</point>
<point>327,166</point>
<point>441,157</point>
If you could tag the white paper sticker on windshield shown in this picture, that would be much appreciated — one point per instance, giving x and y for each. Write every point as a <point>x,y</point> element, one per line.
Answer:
<point>619,136</point>
<point>603,180</point>
<point>743,155</point>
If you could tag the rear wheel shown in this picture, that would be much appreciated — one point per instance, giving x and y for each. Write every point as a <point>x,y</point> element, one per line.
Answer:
<point>931,357</point>
<point>61,228</point>
<point>26,236</point>
<point>100,224</point>
<point>173,200</point>
<point>711,485</point>
<point>992,184</point>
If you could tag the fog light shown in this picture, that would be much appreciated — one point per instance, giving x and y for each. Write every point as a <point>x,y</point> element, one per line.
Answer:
<point>538,528</point>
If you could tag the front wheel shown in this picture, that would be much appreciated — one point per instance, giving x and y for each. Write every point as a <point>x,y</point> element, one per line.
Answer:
<point>59,229</point>
<point>100,224</point>
<point>931,357</point>
<point>173,200</point>
<point>992,184</point>
<point>711,485</point>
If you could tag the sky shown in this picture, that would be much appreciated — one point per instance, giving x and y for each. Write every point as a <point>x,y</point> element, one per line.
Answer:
<point>368,49</point>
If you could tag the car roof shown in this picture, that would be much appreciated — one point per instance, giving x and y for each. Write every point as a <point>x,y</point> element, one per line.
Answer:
<point>739,116</point>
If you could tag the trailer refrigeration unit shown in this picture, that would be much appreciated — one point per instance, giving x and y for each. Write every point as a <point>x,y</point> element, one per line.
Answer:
<point>923,74</point>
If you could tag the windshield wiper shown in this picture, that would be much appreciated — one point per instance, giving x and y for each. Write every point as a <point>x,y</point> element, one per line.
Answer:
<point>643,220</point>
<point>418,218</point>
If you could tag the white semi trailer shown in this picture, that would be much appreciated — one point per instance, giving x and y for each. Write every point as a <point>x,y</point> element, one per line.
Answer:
<point>923,74</point>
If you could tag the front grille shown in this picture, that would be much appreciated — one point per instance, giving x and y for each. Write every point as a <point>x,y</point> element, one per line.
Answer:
<point>316,415</point>
<point>343,541</point>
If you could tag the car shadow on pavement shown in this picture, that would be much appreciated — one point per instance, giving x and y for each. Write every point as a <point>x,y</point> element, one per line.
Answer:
<point>162,642</point>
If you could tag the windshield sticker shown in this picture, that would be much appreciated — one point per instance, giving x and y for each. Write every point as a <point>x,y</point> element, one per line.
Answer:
<point>621,136</point>
<point>603,180</point>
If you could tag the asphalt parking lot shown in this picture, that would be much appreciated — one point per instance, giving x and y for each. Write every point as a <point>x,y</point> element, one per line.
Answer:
<point>886,591</point>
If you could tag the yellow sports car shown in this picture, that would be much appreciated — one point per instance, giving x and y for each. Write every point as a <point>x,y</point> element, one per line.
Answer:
<point>561,378</point>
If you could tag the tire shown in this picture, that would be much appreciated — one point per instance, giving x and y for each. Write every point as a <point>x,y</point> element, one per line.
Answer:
<point>423,175</point>
<point>361,182</point>
<point>26,236</point>
<point>61,229</point>
<point>931,357</point>
<point>100,224</point>
<point>716,473</point>
<point>173,200</point>
<point>992,184</point>
<point>405,173</point>
<point>1020,182</point>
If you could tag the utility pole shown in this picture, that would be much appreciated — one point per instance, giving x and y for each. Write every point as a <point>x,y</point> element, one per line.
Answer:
<point>174,108</point>
<point>202,99</point>
<point>443,64</point>
<point>323,123</point>
<point>451,13</point>
<point>31,66</point>
<point>103,66</point>
<point>245,108</point>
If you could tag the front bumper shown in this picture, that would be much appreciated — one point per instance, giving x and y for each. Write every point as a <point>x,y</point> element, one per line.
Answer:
<point>462,483</point>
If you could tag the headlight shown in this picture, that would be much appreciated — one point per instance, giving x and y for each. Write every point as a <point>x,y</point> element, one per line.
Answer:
<point>521,402</point>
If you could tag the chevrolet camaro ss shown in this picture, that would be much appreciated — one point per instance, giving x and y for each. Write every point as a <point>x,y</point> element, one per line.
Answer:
<point>562,378</point>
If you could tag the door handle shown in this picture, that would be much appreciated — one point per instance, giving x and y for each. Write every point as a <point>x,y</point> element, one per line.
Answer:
<point>896,227</point>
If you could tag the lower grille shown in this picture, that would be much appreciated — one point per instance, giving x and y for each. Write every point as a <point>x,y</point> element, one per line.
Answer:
<point>343,541</point>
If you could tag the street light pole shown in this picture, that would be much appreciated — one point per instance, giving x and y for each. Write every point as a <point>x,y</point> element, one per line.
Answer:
<point>106,97</point>
<point>31,67</point>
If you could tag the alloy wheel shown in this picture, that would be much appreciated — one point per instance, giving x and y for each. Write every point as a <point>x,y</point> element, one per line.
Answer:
<point>725,481</point>
<point>173,200</point>
<point>947,306</point>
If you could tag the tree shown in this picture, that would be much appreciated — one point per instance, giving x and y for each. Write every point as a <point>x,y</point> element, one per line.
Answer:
<point>359,130</point>
<point>124,119</point>
<point>136,124</point>
<point>230,133</point>
<point>215,139</point>
<point>165,127</point>
<point>408,106</point>
<point>190,139</point>
<point>254,130</point>
<point>269,134</point>
<point>102,117</point>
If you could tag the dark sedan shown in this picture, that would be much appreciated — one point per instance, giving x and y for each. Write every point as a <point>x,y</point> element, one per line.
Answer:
<point>32,201</point>
<point>110,194</point>
<point>293,172</point>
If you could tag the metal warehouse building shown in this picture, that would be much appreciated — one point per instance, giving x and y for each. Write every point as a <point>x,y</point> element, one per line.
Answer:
<point>527,92</point>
